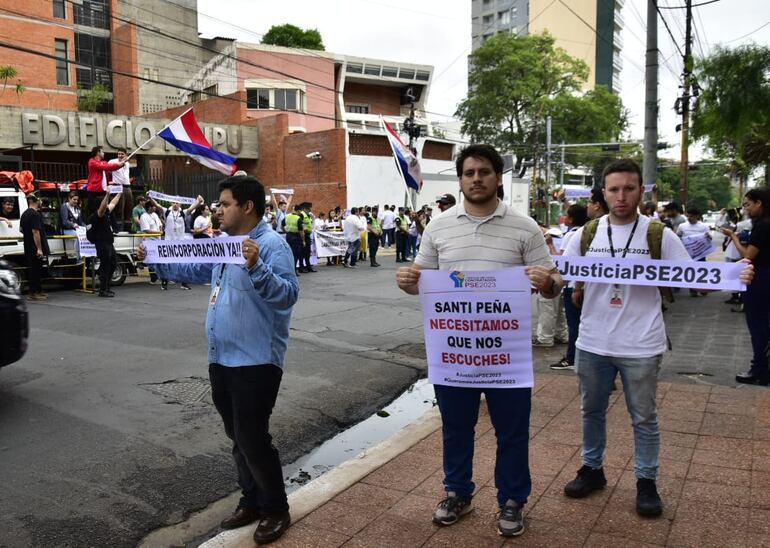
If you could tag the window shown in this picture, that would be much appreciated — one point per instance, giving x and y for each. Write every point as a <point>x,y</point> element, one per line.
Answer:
<point>406,73</point>
<point>357,109</point>
<point>391,72</point>
<point>279,99</point>
<point>373,70</point>
<point>487,20</point>
<point>423,75</point>
<point>504,17</point>
<point>257,98</point>
<point>62,66</point>
<point>356,68</point>
<point>285,99</point>
<point>59,12</point>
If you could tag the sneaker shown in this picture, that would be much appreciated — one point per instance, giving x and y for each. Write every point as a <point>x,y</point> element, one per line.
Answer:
<point>749,377</point>
<point>185,287</point>
<point>733,300</point>
<point>538,342</point>
<point>510,521</point>
<point>451,509</point>
<point>563,364</point>
<point>648,501</point>
<point>588,480</point>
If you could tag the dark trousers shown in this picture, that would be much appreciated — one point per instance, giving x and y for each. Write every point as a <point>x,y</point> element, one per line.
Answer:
<point>509,410</point>
<point>572,313</point>
<point>401,240</point>
<point>756,304</point>
<point>295,243</point>
<point>105,252</point>
<point>94,199</point>
<point>411,246</point>
<point>245,397</point>
<point>373,242</point>
<point>352,253</point>
<point>34,273</point>
<point>388,237</point>
<point>125,206</point>
<point>306,251</point>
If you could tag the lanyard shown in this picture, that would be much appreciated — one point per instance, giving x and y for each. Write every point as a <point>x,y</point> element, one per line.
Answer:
<point>628,243</point>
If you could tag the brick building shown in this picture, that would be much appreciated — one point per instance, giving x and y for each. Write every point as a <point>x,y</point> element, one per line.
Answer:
<point>303,119</point>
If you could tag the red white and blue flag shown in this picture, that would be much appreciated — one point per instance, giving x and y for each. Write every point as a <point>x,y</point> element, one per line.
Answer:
<point>406,161</point>
<point>186,135</point>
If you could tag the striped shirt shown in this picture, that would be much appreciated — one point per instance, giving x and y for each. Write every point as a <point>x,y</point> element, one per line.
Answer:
<point>456,241</point>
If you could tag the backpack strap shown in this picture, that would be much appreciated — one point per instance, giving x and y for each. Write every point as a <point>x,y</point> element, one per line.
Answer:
<point>588,234</point>
<point>655,244</point>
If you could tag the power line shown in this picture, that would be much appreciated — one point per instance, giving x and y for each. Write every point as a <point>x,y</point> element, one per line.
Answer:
<point>668,29</point>
<point>693,6</point>
<point>748,34</point>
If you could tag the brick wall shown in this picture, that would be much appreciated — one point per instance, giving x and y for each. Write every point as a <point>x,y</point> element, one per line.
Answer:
<point>125,89</point>
<point>369,145</point>
<point>433,150</point>
<point>381,99</point>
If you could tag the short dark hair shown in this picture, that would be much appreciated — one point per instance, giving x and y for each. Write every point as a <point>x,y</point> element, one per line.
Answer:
<point>245,188</point>
<point>693,211</point>
<point>353,210</point>
<point>597,197</point>
<point>95,150</point>
<point>121,149</point>
<point>761,195</point>
<point>486,152</point>
<point>140,199</point>
<point>672,206</point>
<point>578,213</point>
<point>623,165</point>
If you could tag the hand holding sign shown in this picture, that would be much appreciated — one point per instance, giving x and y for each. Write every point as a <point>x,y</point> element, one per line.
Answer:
<point>250,252</point>
<point>140,253</point>
<point>407,278</point>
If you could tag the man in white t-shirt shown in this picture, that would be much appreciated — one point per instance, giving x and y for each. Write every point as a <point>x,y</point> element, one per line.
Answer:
<point>621,331</point>
<point>121,177</point>
<point>149,223</point>
<point>351,230</point>
<point>694,227</point>
<point>388,224</point>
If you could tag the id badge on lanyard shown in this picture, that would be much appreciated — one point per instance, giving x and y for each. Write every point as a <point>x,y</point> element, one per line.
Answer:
<point>217,287</point>
<point>616,294</point>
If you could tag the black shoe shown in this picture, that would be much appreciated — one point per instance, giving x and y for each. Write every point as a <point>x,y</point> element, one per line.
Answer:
<point>106,293</point>
<point>648,501</point>
<point>510,522</point>
<point>271,527</point>
<point>563,364</point>
<point>311,269</point>
<point>241,516</point>
<point>588,480</point>
<point>733,300</point>
<point>451,509</point>
<point>751,378</point>
<point>374,264</point>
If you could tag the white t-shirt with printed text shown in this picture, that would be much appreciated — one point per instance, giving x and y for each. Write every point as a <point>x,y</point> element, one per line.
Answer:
<point>636,329</point>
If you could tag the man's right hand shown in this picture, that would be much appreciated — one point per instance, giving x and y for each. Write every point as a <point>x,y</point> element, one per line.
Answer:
<point>407,278</point>
<point>140,253</point>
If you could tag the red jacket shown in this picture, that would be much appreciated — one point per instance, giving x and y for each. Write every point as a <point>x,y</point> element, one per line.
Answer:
<point>96,169</point>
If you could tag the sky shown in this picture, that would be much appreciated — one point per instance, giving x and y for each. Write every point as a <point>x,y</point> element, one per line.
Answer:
<point>438,33</point>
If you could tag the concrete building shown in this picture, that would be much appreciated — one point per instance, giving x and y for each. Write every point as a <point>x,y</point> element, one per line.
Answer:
<point>587,29</point>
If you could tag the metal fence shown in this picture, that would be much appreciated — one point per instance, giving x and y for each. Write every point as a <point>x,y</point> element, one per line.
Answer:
<point>57,172</point>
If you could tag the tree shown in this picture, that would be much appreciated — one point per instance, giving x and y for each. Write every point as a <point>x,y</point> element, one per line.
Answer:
<point>732,113</point>
<point>291,36</point>
<point>90,100</point>
<point>511,83</point>
<point>709,188</point>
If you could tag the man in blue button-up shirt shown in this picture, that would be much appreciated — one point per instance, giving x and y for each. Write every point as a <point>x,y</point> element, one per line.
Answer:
<point>248,330</point>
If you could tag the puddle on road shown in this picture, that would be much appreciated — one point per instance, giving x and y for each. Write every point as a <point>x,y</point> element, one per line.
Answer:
<point>349,443</point>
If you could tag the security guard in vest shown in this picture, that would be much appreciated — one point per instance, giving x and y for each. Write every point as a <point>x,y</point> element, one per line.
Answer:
<point>307,225</point>
<point>295,235</point>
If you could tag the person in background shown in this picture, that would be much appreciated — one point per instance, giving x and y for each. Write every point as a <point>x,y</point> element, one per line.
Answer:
<point>373,235</point>
<point>307,247</point>
<point>35,247</point>
<point>445,202</point>
<point>597,205</point>
<point>202,222</point>
<point>70,214</point>
<point>295,235</point>
<point>8,206</point>
<point>121,177</point>
<point>136,213</point>
<point>756,299</point>
<point>694,227</point>
<point>103,239</point>
<point>742,228</point>
<point>320,222</point>
<point>412,236</point>
<point>402,235</point>
<point>389,226</point>
<point>97,176</point>
<point>149,223</point>
<point>175,226</point>
<point>351,228</point>
<point>674,217</point>
<point>280,215</point>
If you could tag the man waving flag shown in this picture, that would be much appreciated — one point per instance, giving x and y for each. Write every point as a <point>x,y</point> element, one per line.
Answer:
<point>186,135</point>
<point>406,161</point>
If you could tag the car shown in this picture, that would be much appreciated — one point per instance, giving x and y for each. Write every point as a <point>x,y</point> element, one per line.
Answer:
<point>13,317</point>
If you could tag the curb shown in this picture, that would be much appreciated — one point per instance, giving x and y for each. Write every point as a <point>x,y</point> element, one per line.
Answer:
<point>324,488</point>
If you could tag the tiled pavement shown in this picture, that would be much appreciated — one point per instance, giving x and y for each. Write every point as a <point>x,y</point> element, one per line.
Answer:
<point>714,480</point>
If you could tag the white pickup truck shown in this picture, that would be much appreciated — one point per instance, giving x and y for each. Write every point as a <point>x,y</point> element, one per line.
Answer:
<point>63,261</point>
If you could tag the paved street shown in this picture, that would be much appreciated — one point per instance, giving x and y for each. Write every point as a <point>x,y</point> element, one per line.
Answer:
<point>107,428</point>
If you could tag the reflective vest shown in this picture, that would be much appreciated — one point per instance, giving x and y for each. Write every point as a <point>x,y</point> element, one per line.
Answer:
<point>292,223</point>
<point>307,222</point>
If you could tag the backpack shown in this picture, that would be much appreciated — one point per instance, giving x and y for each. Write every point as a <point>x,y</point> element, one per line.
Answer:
<point>654,243</point>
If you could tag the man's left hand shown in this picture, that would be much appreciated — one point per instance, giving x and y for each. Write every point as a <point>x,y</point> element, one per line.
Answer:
<point>250,252</point>
<point>747,274</point>
<point>540,277</point>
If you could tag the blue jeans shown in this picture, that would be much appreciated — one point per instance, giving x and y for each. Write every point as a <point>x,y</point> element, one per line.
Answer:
<point>411,246</point>
<point>640,383</point>
<point>509,410</point>
<point>573,323</point>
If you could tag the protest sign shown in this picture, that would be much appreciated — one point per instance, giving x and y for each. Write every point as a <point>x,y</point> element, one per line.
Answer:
<point>115,189</point>
<point>87,249</point>
<point>693,275</point>
<point>478,327</point>
<point>204,250</point>
<point>572,193</point>
<point>698,246</point>
<point>170,198</point>
<point>330,244</point>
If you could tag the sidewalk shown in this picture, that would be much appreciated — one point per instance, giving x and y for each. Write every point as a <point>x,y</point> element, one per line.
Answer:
<point>714,481</point>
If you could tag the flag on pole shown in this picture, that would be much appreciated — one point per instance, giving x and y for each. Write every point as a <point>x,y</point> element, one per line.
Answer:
<point>186,135</point>
<point>406,161</point>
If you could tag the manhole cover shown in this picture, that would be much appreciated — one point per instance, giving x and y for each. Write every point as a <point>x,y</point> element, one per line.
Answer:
<point>187,390</point>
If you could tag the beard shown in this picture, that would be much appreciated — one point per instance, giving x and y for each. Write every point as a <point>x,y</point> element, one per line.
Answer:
<point>480,199</point>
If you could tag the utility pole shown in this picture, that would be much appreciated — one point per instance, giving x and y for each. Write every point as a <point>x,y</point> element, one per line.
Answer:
<point>548,170</point>
<point>686,104</point>
<point>650,164</point>
<point>413,130</point>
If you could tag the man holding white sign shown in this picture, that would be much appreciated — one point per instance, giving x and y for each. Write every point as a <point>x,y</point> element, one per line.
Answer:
<point>481,234</point>
<point>622,331</point>
<point>247,326</point>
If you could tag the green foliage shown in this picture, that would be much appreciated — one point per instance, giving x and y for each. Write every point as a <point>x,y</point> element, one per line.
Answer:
<point>709,188</point>
<point>291,36</point>
<point>513,80</point>
<point>732,113</point>
<point>90,100</point>
<point>7,73</point>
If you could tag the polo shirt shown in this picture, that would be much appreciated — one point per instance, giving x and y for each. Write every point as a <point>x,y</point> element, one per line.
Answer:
<point>456,241</point>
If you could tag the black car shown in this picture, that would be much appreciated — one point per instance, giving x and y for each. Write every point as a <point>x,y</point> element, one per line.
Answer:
<point>13,317</point>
